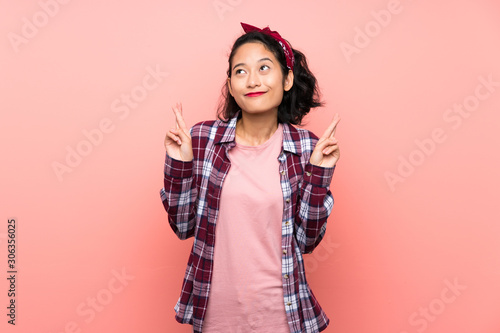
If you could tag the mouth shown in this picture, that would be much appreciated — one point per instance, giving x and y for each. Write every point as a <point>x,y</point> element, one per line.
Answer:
<point>255,94</point>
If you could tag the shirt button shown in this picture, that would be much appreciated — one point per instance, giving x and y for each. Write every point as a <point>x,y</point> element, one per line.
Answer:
<point>283,172</point>
<point>286,276</point>
<point>308,173</point>
<point>288,303</point>
<point>287,222</point>
<point>287,200</point>
<point>284,251</point>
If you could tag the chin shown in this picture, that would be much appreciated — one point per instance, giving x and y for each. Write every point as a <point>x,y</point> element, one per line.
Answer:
<point>257,111</point>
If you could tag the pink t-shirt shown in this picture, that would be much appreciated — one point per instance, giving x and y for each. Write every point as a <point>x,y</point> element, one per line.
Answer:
<point>246,292</point>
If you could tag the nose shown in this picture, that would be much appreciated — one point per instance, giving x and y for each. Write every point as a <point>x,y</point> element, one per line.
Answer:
<point>253,80</point>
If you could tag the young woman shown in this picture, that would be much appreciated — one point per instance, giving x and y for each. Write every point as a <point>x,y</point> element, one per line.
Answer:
<point>254,192</point>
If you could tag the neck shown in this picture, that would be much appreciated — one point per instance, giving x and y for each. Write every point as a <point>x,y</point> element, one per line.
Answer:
<point>255,129</point>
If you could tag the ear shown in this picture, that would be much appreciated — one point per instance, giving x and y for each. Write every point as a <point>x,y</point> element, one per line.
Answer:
<point>229,86</point>
<point>289,80</point>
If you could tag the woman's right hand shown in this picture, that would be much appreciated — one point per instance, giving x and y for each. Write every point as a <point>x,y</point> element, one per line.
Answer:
<point>178,140</point>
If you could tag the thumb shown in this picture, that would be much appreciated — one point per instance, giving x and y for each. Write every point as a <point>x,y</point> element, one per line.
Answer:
<point>323,143</point>
<point>181,134</point>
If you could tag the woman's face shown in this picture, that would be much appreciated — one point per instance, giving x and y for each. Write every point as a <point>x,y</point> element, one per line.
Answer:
<point>256,81</point>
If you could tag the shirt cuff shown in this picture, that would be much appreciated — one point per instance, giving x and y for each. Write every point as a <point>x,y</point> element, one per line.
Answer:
<point>177,168</point>
<point>318,175</point>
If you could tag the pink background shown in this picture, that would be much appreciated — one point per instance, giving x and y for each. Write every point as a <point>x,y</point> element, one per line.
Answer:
<point>391,251</point>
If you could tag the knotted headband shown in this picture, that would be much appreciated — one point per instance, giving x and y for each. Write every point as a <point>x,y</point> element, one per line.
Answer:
<point>290,59</point>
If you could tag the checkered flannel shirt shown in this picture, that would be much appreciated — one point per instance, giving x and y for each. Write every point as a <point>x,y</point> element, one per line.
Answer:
<point>191,195</point>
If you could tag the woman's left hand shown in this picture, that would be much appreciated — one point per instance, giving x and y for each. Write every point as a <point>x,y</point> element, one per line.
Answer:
<point>326,153</point>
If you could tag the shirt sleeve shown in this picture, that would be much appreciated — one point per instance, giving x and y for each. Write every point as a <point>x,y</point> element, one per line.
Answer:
<point>179,196</point>
<point>314,206</point>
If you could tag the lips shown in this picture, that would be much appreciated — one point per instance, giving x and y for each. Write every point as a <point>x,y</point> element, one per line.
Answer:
<point>255,94</point>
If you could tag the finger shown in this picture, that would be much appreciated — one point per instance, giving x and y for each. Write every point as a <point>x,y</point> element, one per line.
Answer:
<point>325,142</point>
<point>330,131</point>
<point>169,137</point>
<point>180,118</point>
<point>336,120</point>
<point>171,134</point>
<point>330,149</point>
<point>175,116</point>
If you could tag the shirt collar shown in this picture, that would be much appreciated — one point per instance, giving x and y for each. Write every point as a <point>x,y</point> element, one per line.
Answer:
<point>226,132</point>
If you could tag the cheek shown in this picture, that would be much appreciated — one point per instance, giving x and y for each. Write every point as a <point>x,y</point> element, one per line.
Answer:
<point>276,81</point>
<point>277,85</point>
<point>237,85</point>
<point>279,96</point>
<point>235,88</point>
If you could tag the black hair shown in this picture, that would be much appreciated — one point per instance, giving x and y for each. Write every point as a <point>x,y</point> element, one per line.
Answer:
<point>296,103</point>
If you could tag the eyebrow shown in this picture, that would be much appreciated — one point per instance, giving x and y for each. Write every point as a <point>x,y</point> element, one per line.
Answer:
<point>242,63</point>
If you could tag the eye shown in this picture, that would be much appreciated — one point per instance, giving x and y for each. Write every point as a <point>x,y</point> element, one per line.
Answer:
<point>264,67</point>
<point>239,71</point>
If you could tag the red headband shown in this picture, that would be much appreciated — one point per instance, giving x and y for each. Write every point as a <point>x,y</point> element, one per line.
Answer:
<point>290,59</point>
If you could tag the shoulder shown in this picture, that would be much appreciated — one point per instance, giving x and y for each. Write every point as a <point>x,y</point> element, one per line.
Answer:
<point>301,137</point>
<point>305,134</point>
<point>204,128</point>
<point>203,125</point>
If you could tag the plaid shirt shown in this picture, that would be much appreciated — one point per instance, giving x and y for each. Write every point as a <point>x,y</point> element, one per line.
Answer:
<point>191,195</point>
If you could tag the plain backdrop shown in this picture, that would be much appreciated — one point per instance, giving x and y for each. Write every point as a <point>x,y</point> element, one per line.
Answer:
<point>86,89</point>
